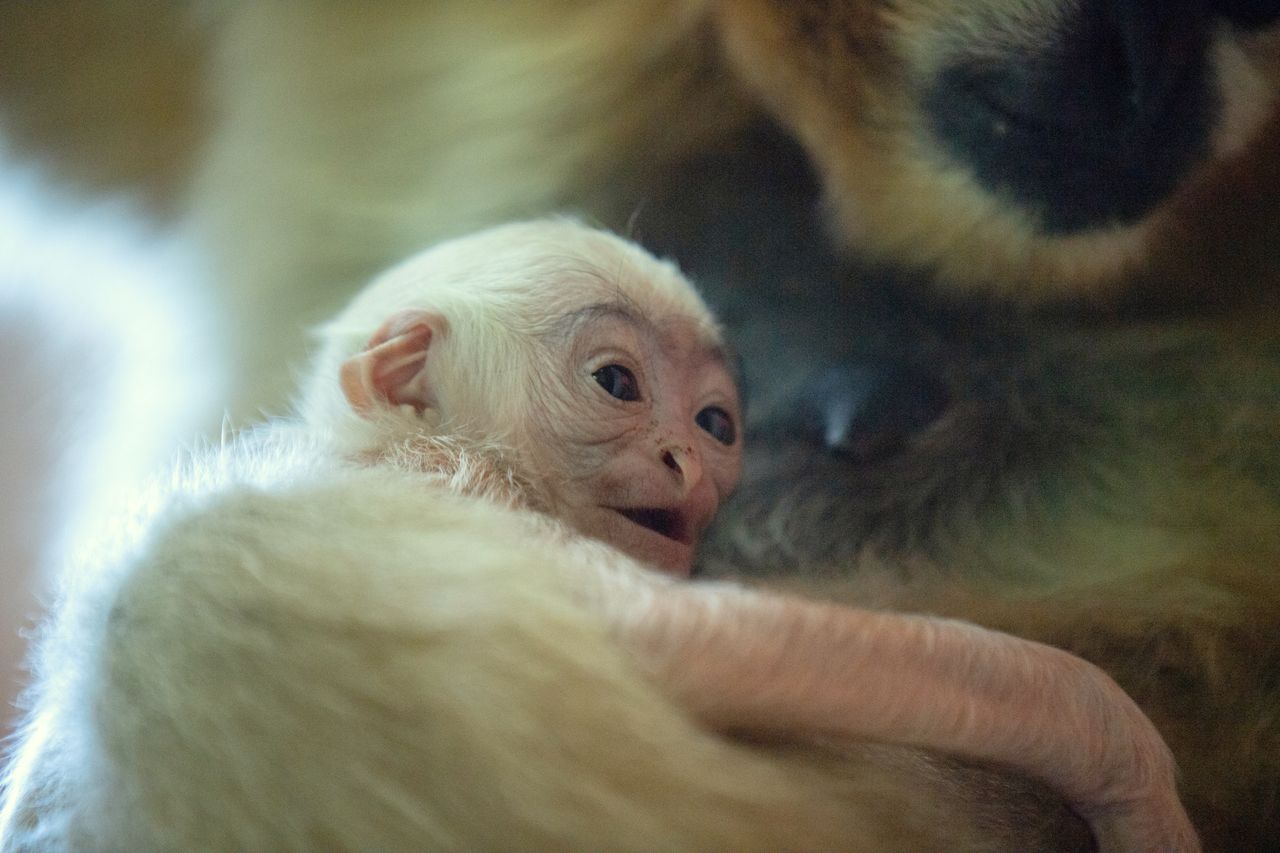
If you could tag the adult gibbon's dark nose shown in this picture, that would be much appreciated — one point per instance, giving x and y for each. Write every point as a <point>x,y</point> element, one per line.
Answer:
<point>1094,122</point>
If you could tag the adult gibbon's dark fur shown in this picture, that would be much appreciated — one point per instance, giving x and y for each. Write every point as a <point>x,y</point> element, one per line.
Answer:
<point>1001,272</point>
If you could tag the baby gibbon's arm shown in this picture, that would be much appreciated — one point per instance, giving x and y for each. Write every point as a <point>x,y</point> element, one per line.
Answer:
<point>744,660</point>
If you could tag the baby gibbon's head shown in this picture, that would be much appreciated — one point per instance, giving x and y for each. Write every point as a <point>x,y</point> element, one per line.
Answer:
<point>597,366</point>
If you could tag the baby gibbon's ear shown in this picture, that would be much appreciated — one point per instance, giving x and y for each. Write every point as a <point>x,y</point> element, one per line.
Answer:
<point>391,371</point>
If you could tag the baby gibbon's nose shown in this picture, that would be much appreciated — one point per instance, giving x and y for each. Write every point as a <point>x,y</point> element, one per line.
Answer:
<point>684,462</point>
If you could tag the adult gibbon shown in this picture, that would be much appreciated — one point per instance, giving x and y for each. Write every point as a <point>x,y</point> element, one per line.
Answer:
<point>999,272</point>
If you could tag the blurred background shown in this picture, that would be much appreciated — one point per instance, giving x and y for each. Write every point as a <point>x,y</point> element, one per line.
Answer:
<point>108,353</point>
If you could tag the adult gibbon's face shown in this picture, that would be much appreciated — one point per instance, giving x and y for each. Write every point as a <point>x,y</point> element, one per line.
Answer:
<point>1029,146</point>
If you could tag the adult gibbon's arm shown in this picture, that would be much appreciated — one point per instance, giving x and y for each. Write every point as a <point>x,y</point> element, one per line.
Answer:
<point>358,663</point>
<point>332,663</point>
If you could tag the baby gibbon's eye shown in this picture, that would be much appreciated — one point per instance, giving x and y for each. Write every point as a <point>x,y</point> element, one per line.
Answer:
<point>718,424</point>
<point>618,381</point>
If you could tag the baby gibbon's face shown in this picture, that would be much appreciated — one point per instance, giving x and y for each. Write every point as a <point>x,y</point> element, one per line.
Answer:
<point>642,427</point>
<point>593,362</point>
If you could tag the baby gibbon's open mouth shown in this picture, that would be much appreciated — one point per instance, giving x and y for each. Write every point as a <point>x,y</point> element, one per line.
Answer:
<point>665,522</point>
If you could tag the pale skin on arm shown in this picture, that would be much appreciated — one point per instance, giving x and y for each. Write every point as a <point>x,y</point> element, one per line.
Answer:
<point>643,470</point>
<point>745,661</point>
